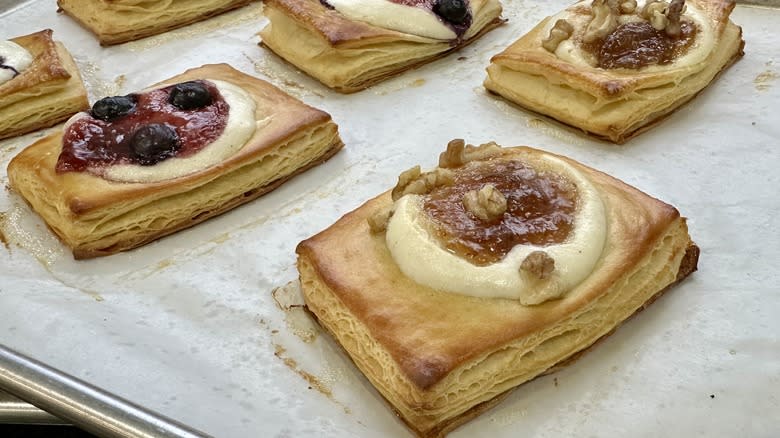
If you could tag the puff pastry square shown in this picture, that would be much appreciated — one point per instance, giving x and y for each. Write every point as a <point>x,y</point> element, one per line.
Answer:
<point>120,21</point>
<point>613,104</point>
<point>441,358</point>
<point>348,55</point>
<point>49,91</point>
<point>97,217</point>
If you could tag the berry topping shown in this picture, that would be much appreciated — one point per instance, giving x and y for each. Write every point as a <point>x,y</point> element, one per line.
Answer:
<point>190,95</point>
<point>112,108</point>
<point>154,143</point>
<point>452,11</point>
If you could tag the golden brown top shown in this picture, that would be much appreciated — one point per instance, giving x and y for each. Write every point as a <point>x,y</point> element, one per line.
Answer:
<point>539,210</point>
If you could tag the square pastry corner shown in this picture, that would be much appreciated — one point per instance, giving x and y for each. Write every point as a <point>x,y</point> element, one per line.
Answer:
<point>441,336</point>
<point>349,46</point>
<point>120,21</point>
<point>108,208</point>
<point>45,92</point>
<point>615,69</point>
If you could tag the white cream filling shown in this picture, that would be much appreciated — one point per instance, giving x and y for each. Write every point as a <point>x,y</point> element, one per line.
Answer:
<point>571,52</point>
<point>394,16</point>
<point>240,127</point>
<point>421,257</point>
<point>15,56</point>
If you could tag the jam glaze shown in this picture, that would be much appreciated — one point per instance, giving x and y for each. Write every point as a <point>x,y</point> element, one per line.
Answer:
<point>90,144</point>
<point>541,207</point>
<point>637,44</point>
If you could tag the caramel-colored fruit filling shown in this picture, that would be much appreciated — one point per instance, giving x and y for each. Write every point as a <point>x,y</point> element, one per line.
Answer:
<point>540,210</point>
<point>637,44</point>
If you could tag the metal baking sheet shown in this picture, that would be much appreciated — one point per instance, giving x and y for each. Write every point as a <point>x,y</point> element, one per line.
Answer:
<point>189,327</point>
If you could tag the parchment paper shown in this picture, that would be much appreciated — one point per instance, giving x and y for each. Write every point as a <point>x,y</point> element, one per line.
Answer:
<point>188,326</point>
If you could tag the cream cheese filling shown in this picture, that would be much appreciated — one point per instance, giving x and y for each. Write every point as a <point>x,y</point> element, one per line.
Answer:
<point>14,59</point>
<point>394,16</point>
<point>421,257</point>
<point>240,127</point>
<point>571,52</point>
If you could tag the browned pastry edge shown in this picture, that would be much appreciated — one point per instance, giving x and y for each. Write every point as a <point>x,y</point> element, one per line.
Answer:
<point>81,253</point>
<point>655,118</point>
<point>376,79</point>
<point>124,37</point>
<point>688,265</point>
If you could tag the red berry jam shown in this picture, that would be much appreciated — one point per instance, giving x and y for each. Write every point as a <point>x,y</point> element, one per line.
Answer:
<point>92,143</point>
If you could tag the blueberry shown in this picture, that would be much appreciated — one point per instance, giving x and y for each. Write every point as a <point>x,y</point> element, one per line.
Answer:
<point>111,108</point>
<point>190,95</point>
<point>452,11</point>
<point>153,143</point>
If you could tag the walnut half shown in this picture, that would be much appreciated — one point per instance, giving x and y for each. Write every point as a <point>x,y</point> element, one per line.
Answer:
<point>487,204</point>
<point>561,31</point>
<point>539,264</point>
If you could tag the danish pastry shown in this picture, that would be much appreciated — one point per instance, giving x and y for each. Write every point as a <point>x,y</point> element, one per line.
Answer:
<point>614,69</point>
<point>40,84</point>
<point>494,268</point>
<point>142,166</point>
<point>351,45</point>
<point>120,21</point>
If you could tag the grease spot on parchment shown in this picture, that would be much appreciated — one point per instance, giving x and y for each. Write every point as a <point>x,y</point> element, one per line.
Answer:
<point>314,382</point>
<point>43,246</point>
<point>289,299</point>
<point>395,84</point>
<point>765,79</point>
<point>280,74</point>
<point>3,239</point>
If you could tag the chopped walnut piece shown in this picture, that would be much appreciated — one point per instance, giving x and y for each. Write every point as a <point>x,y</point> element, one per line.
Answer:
<point>561,31</point>
<point>404,179</point>
<point>378,221</point>
<point>482,152</point>
<point>453,156</point>
<point>604,22</point>
<point>664,16</point>
<point>627,6</point>
<point>538,264</point>
<point>655,12</point>
<point>675,10</point>
<point>413,181</point>
<point>487,204</point>
<point>459,153</point>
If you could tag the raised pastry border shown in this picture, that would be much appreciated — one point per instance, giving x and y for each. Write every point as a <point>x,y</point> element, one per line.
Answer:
<point>97,217</point>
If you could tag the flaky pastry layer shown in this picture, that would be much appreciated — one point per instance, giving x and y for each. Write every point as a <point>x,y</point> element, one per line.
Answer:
<point>96,217</point>
<point>46,93</point>
<point>612,104</point>
<point>441,358</point>
<point>349,56</point>
<point>120,21</point>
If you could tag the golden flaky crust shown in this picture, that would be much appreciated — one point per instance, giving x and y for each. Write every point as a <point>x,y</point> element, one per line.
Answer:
<point>442,358</point>
<point>46,93</point>
<point>611,104</point>
<point>348,55</point>
<point>97,217</point>
<point>120,21</point>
